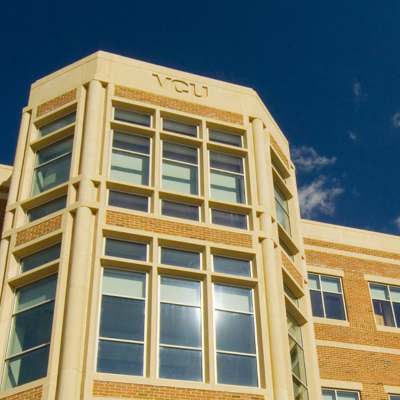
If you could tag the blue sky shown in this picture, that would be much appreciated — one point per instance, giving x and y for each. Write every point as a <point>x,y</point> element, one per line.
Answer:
<point>329,72</point>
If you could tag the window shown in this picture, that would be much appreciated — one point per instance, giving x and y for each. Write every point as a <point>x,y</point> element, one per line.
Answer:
<point>122,323</point>
<point>52,166</point>
<point>179,210</point>
<point>386,301</point>
<point>282,210</point>
<point>40,258</point>
<point>227,178</point>
<point>130,158</point>
<point>57,124</point>
<point>179,127</point>
<point>334,394</point>
<point>226,218</point>
<point>225,138</point>
<point>125,249</point>
<point>46,209</point>
<point>179,168</point>
<point>290,294</point>
<point>297,360</point>
<point>233,266</point>
<point>134,117</point>
<point>180,329</point>
<point>28,349</point>
<point>326,296</point>
<point>180,258</point>
<point>235,336</point>
<point>129,201</point>
<point>393,397</point>
<point>286,249</point>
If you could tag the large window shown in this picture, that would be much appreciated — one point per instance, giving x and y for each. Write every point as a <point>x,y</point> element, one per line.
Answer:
<point>122,323</point>
<point>282,210</point>
<point>297,360</point>
<point>394,397</point>
<point>28,350</point>
<point>180,258</point>
<point>386,301</point>
<point>46,209</point>
<point>227,178</point>
<point>326,296</point>
<point>52,166</point>
<point>180,329</point>
<point>337,394</point>
<point>179,168</point>
<point>179,127</point>
<point>128,200</point>
<point>126,249</point>
<point>223,137</point>
<point>180,210</point>
<point>227,218</point>
<point>130,158</point>
<point>235,336</point>
<point>132,117</point>
<point>232,266</point>
<point>41,257</point>
<point>57,124</point>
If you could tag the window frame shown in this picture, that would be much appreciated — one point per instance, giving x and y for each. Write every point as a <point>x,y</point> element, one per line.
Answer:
<point>341,390</point>
<point>281,207</point>
<point>171,247</point>
<point>387,286</point>
<point>39,126</point>
<point>226,132</point>
<point>212,208</point>
<point>126,108</point>
<point>182,203</point>
<point>250,261</point>
<point>132,260</point>
<point>109,190</point>
<point>177,119</point>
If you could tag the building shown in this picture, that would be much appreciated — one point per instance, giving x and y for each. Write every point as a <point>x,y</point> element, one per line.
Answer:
<point>152,248</point>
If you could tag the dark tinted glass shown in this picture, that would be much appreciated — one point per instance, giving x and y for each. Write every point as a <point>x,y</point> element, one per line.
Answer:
<point>396,308</point>
<point>124,249</point>
<point>46,209</point>
<point>179,152</point>
<point>180,258</point>
<point>126,200</point>
<point>231,266</point>
<point>134,117</point>
<point>180,210</point>
<point>53,151</point>
<point>40,258</point>
<point>180,364</point>
<point>57,124</point>
<point>226,162</point>
<point>334,307</point>
<point>383,313</point>
<point>135,143</point>
<point>229,219</point>
<point>225,138</point>
<point>316,304</point>
<point>179,127</point>
<point>237,369</point>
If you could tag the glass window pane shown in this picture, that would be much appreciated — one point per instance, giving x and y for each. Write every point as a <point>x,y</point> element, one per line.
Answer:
<point>57,124</point>
<point>129,201</point>
<point>46,209</point>
<point>342,395</point>
<point>299,390</point>
<point>124,283</point>
<point>227,188</point>
<point>179,152</point>
<point>233,298</point>
<point>226,162</point>
<point>134,117</point>
<point>179,177</point>
<point>27,367</point>
<point>180,325</point>
<point>120,358</point>
<point>379,292</point>
<point>237,370</point>
<point>334,307</point>
<point>53,151</point>
<point>395,293</point>
<point>51,174</point>
<point>234,266</point>
<point>125,249</point>
<point>229,219</point>
<point>181,364</point>
<point>328,394</point>
<point>122,318</point>
<point>396,309</point>
<point>313,281</point>
<point>383,313</point>
<point>179,127</point>
<point>280,199</point>
<point>235,332</point>
<point>297,360</point>
<point>225,138</point>
<point>294,329</point>
<point>180,258</point>
<point>36,293</point>
<point>40,258</point>
<point>331,284</point>
<point>135,143</point>
<point>180,210</point>
<point>181,291</point>
<point>316,303</point>
<point>132,168</point>
<point>283,218</point>
<point>393,397</point>
<point>31,328</point>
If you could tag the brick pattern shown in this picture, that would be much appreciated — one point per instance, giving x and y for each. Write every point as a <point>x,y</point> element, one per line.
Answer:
<point>354,249</point>
<point>150,392</point>
<point>293,271</point>
<point>279,151</point>
<point>39,230</point>
<point>179,105</point>
<point>30,394</point>
<point>3,204</point>
<point>55,103</point>
<point>150,224</point>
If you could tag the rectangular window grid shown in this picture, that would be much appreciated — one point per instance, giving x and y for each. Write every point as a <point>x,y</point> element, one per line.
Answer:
<point>338,394</point>
<point>386,302</point>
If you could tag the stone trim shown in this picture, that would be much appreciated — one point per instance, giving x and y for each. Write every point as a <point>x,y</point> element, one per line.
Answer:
<point>39,230</point>
<point>179,105</point>
<point>55,103</point>
<point>294,273</point>
<point>279,151</point>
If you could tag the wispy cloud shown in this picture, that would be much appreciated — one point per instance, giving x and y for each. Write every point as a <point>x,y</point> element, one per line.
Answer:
<point>307,159</point>
<point>352,136</point>
<point>319,197</point>
<point>397,222</point>
<point>359,93</point>
<point>396,120</point>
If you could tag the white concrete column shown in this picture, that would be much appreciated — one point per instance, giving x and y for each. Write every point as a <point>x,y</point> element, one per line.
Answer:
<point>282,387</point>
<point>70,383</point>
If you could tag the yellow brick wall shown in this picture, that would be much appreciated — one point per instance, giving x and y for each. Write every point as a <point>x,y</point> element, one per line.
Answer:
<point>30,394</point>
<point>55,103</point>
<point>39,230</point>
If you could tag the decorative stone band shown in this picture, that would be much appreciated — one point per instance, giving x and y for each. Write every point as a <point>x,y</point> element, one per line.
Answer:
<point>150,224</point>
<point>39,230</point>
<point>179,105</point>
<point>30,394</point>
<point>294,273</point>
<point>353,249</point>
<point>55,103</point>
<point>279,151</point>
<point>150,392</point>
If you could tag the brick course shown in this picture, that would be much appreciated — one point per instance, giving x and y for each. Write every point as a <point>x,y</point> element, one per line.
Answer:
<point>55,103</point>
<point>39,230</point>
<point>180,105</point>
<point>30,394</point>
<point>150,392</point>
<point>177,229</point>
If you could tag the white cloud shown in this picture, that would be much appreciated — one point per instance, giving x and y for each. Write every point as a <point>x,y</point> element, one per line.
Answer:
<point>396,119</point>
<point>357,89</point>
<point>319,197</point>
<point>352,136</point>
<point>397,222</point>
<point>307,159</point>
